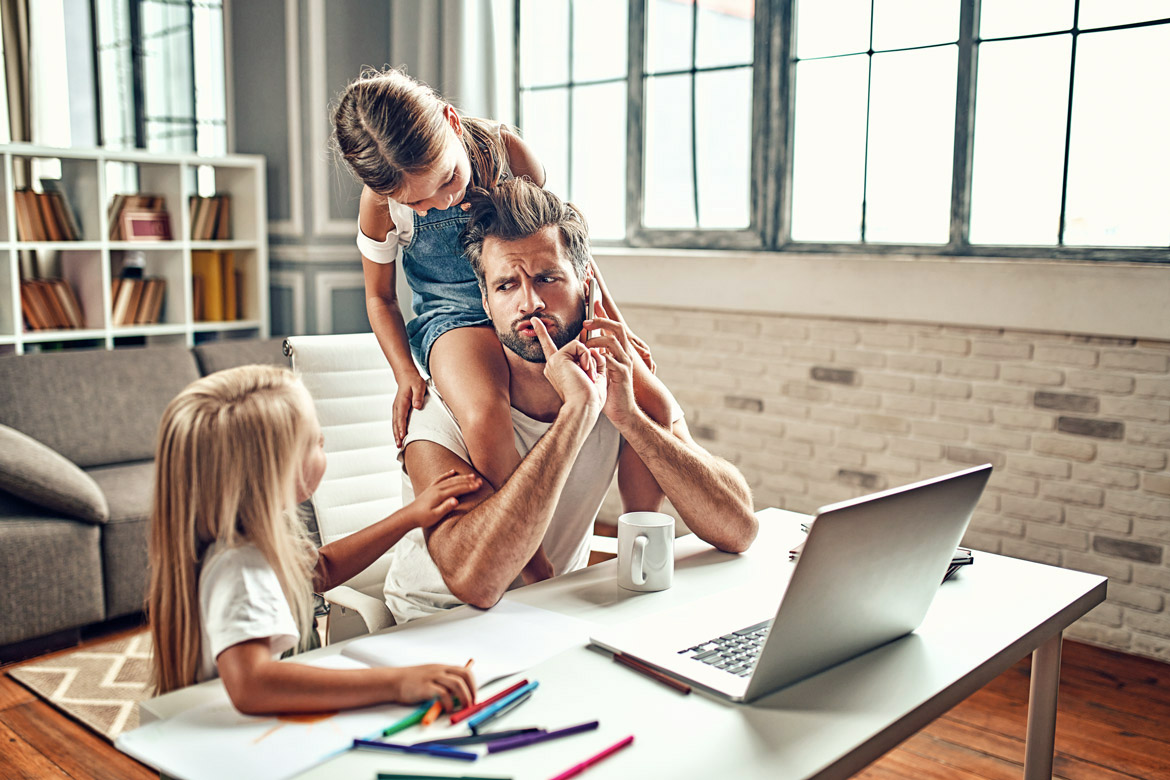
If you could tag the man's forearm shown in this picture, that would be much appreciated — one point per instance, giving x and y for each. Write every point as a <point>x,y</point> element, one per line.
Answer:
<point>709,493</point>
<point>483,551</point>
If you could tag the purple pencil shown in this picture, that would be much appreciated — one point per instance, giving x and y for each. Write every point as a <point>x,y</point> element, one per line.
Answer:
<point>511,743</point>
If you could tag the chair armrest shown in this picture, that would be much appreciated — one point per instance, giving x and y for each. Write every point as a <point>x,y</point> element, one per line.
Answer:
<point>373,611</point>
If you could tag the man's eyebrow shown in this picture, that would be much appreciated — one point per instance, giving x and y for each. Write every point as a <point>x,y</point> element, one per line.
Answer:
<point>496,281</point>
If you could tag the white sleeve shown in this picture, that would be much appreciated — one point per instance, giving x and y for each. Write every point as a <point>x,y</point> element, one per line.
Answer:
<point>241,599</point>
<point>390,247</point>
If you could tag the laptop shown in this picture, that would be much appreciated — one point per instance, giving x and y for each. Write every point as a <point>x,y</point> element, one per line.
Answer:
<point>869,569</point>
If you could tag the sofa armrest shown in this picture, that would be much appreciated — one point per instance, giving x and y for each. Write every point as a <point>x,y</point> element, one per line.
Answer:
<point>41,475</point>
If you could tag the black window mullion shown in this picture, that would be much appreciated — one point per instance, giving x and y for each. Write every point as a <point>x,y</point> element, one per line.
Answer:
<point>868,101</point>
<point>964,125</point>
<point>774,74</point>
<point>1072,73</point>
<point>694,112</point>
<point>635,119</point>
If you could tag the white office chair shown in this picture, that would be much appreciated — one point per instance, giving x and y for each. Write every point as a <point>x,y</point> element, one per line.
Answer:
<point>353,391</point>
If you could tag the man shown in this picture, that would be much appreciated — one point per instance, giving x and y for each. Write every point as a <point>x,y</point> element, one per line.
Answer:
<point>575,418</point>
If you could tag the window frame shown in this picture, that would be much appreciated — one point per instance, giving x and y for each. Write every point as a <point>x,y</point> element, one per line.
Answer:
<point>774,73</point>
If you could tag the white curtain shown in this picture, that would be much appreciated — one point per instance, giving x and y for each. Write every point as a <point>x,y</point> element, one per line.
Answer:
<point>462,48</point>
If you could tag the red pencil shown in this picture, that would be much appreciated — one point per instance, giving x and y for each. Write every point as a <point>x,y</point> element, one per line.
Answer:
<point>467,712</point>
<point>579,768</point>
<point>652,673</point>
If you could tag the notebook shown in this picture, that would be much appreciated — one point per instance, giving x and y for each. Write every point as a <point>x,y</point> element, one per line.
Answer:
<point>867,574</point>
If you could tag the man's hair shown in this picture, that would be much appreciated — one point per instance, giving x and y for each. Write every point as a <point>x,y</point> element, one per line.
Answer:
<point>516,209</point>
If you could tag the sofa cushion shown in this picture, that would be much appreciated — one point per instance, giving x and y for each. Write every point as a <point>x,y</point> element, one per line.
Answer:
<point>129,487</point>
<point>94,406</point>
<point>52,572</point>
<point>36,473</point>
<point>217,355</point>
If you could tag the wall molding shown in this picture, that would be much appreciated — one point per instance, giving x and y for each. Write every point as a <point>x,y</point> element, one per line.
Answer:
<point>293,281</point>
<point>334,254</point>
<point>294,226</point>
<point>1092,298</point>
<point>323,224</point>
<point>325,284</point>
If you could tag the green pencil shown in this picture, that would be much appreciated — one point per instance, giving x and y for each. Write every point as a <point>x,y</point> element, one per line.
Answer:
<point>409,720</point>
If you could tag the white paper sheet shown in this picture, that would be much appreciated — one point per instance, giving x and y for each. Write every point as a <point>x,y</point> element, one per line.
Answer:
<point>214,741</point>
<point>508,638</point>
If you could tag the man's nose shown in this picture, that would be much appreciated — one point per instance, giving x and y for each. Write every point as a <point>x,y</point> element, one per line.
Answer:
<point>530,300</point>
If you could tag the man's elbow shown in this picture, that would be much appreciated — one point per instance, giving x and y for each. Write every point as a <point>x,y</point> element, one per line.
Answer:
<point>474,591</point>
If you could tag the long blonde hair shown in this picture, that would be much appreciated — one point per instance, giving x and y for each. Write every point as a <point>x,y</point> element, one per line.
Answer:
<point>230,449</point>
<point>387,125</point>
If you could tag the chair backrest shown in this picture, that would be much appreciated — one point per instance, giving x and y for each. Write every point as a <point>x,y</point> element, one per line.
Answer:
<point>353,390</point>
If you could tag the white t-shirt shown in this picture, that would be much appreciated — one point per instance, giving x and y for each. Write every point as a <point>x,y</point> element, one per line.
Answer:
<point>415,588</point>
<point>240,598</point>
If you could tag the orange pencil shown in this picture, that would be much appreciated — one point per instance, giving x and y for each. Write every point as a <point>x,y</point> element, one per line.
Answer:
<point>433,713</point>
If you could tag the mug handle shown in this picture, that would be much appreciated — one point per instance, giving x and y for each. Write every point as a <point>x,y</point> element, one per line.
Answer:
<point>638,561</point>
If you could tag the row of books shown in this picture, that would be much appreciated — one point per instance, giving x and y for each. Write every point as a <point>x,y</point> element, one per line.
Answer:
<point>137,301</point>
<point>215,285</point>
<point>44,216</point>
<point>50,304</point>
<point>210,217</point>
<point>122,206</point>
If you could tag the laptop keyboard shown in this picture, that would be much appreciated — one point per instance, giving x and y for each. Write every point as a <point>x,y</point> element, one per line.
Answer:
<point>734,653</point>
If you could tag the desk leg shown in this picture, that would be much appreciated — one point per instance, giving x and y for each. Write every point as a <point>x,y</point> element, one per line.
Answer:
<point>1041,740</point>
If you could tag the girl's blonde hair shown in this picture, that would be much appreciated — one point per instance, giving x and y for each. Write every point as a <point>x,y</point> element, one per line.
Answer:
<point>387,126</point>
<point>230,451</point>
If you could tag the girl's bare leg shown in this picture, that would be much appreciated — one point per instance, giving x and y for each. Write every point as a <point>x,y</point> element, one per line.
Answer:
<point>469,369</point>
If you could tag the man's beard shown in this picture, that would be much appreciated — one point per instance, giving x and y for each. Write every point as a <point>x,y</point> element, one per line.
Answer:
<point>530,349</point>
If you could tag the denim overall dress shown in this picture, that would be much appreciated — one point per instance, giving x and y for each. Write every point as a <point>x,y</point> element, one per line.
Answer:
<point>445,291</point>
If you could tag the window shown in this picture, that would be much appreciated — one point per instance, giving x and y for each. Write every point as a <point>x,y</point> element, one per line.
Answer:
<point>969,127</point>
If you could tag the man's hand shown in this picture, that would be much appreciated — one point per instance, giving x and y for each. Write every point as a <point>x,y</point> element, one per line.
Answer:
<point>576,372</point>
<point>411,391</point>
<point>618,354</point>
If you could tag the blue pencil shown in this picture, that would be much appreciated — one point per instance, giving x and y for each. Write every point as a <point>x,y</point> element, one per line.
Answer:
<point>431,750</point>
<point>480,718</point>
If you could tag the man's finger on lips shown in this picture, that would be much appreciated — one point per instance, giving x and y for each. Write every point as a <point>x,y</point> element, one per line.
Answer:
<point>546,342</point>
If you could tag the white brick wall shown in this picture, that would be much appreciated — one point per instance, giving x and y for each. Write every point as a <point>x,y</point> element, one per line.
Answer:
<point>1077,426</point>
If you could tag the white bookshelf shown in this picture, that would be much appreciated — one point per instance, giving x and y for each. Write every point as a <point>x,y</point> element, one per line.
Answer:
<point>90,265</point>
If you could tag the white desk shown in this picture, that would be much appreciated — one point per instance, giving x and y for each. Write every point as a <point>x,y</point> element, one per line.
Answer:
<point>831,725</point>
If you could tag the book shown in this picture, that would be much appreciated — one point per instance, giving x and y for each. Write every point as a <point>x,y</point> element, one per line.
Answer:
<point>223,218</point>
<point>228,274</point>
<point>58,319</point>
<point>207,266</point>
<point>150,304</point>
<point>28,216</point>
<point>135,297</point>
<point>31,307</point>
<point>63,213</point>
<point>69,302</point>
<point>52,228</point>
<point>120,297</point>
<point>138,203</point>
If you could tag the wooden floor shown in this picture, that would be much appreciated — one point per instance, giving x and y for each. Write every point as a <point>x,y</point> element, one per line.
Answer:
<point>1113,724</point>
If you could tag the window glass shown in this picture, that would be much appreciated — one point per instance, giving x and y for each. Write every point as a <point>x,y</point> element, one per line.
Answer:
<point>898,24</point>
<point>1021,110</point>
<point>828,169</point>
<point>1119,161</point>
<point>669,28</point>
<point>723,146</point>
<point>830,27</point>
<point>599,158</point>
<point>911,146</point>
<point>669,195</point>
<point>726,33</point>
<point>545,117</point>
<point>599,39</point>
<point>1001,18</point>
<point>1101,13</point>
<point>544,42</point>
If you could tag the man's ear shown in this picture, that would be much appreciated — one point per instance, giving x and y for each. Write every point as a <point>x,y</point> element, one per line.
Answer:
<point>453,119</point>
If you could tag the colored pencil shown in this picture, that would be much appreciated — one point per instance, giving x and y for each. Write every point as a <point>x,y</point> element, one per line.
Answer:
<point>652,673</point>
<point>486,736</point>
<point>467,712</point>
<point>579,768</point>
<point>432,714</point>
<point>417,776</point>
<point>437,751</point>
<point>511,743</point>
<point>408,721</point>
<point>505,704</point>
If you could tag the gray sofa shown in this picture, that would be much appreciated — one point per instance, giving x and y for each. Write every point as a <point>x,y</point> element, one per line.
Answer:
<point>77,436</point>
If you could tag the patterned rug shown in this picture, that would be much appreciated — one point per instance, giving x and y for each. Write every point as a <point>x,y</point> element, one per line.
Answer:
<point>99,686</point>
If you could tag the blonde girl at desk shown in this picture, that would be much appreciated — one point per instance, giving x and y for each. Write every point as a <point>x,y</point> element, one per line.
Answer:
<point>232,571</point>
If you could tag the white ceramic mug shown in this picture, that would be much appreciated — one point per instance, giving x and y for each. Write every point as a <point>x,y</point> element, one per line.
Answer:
<point>645,551</point>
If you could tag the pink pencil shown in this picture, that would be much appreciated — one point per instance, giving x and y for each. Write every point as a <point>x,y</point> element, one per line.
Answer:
<point>579,768</point>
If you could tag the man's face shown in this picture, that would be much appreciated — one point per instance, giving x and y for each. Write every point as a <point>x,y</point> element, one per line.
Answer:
<point>532,277</point>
